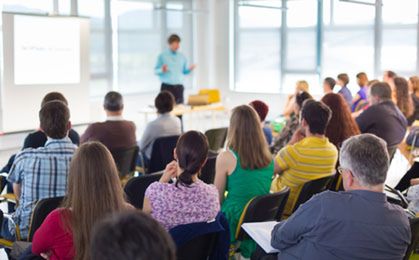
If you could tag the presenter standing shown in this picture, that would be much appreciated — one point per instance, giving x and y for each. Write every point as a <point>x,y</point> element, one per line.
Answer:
<point>171,67</point>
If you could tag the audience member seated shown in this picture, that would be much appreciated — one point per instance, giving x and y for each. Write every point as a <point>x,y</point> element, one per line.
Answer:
<point>341,125</point>
<point>244,170</point>
<point>404,100</point>
<point>93,192</point>
<point>165,124</point>
<point>356,224</point>
<point>383,118</point>
<point>42,172</point>
<point>361,97</point>
<point>328,85</point>
<point>188,199</point>
<point>308,156</point>
<point>414,86</point>
<point>389,77</point>
<point>343,80</point>
<point>115,132</point>
<point>291,124</point>
<point>38,138</point>
<point>131,236</point>
<point>262,109</point>
<point>300,86</point>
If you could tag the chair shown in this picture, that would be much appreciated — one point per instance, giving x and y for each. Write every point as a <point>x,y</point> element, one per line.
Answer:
<point>40,212</point>
<point>162,153</point>
<point>414,228</point>
<point>311,188</point>
<point>208,171</point>
<point>136,187</point>
<point>337,183</point>
<point>199,248</point>
<point>263,208</point>
<point>216,138</point>
<point>125,159</point>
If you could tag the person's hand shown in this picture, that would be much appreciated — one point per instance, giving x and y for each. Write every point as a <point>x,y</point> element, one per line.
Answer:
<point>298,135</point>
<point>46,255</point>
<point>192,67</point>
<point>414,181</point>
<point>170,172</point>
<point>164,68</point>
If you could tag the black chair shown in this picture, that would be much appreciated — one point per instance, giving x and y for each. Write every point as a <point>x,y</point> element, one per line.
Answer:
<point>125,159</point>
<point>136,187</point>
<point>311,188</point>
<point>162,153</point>
<point>208,171</point>
<point>414,228</point>
<point>263,208</point>
<point>41,211</point>
<point>216,138</point>
<point>199,248</point>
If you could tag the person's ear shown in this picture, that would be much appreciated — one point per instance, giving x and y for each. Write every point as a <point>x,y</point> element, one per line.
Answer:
<point>174,154</point>
<point>348,179</point>
<point>304,123</point>
<point>69,125</point>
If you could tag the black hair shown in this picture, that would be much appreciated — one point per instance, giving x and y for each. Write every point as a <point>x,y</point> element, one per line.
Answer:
<point>173,38</point>
<point>317,115</point>
<point>164,102</point>
<point>113,101</point>
<point>301,97</point>
<point>331,82</point>
<point>54,117</point>
<point>132,235</point>
<point>191,152</point>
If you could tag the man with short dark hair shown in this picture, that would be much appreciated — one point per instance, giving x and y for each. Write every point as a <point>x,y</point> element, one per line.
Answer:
<point>115,132</point>
<point>308,156</point>
<point>343,81</point>
<point>383,118</point>
<point>41,173</point>
<point>356,224</point>
<point>164,125</point>
<point>132,235</point>
<point>171,67</point>
<point>328,85</point>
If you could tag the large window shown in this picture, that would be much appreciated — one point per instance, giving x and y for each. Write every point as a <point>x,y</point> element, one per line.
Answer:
<point>258,46</point>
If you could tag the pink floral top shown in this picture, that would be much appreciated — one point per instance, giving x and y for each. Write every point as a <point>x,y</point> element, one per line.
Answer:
<point>173,206</point>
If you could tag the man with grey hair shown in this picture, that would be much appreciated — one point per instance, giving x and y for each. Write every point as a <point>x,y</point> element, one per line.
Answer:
<point>357,223</point>
<point>383,118</point>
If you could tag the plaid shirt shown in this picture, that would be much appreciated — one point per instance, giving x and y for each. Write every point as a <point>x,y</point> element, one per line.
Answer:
<point>42,173</point>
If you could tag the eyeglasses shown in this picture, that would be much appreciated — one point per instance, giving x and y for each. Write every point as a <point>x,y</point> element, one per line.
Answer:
<point>341,170</point>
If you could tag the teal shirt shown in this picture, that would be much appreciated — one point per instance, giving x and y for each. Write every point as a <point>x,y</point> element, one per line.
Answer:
<point>177,66</point>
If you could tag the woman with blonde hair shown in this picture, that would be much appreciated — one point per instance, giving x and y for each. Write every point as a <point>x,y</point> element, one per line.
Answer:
<point>245,169</point>
<point>403,100</point>
<point>93,192</point>
<point>300,86</point>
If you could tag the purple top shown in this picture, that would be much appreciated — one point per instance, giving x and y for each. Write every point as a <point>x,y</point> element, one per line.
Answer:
<point>173,206</point>
<point>362,93</point>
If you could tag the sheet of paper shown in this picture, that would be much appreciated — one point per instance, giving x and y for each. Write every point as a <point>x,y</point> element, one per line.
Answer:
<point>260,232</point>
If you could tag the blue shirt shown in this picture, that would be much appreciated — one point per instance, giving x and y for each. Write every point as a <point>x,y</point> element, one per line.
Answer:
<point>267,131</point>
<point>42,173</point>
<point>362,97</point>
<point>349,225</point>
<point>177,66</point>
<point>346,93</point>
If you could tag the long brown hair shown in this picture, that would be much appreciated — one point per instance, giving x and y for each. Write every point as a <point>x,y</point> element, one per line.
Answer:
<point>403,100</point>
<point>341,125</point>
<point>94,190</point>
<point>246,138</point>
<point>414,80</point>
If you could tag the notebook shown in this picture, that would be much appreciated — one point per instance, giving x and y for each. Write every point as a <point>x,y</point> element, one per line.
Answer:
<point>260,232</point>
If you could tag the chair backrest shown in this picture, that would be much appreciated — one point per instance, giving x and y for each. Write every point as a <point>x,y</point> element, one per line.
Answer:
<point>216,138</point>
<point>263,208</point>
<point>337,183</point>
<point>311,188</point>
<point>414,228</point>
<point>125,159</point>
<point>136,187</point>
<point>41,211</point>
<point>162,153</point>
<point>208,171</point>
<point>199,248</point>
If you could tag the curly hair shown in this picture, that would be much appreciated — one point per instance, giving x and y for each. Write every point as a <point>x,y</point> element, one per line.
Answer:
<point>403,100</point>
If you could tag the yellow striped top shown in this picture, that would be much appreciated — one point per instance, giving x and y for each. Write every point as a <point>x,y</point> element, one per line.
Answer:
<point>311,158</point>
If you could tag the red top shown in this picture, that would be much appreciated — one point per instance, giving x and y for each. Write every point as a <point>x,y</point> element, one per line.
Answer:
<point>53,237</point>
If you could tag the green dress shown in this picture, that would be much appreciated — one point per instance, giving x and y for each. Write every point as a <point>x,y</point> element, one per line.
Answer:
<point>242,186</point>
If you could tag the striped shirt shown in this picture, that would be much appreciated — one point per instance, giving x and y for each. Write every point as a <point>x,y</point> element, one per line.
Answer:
<point>311,158</point>
<point>42,173</point>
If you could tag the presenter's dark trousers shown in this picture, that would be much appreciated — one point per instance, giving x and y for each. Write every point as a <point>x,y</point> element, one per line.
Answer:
<point>176,90</point>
